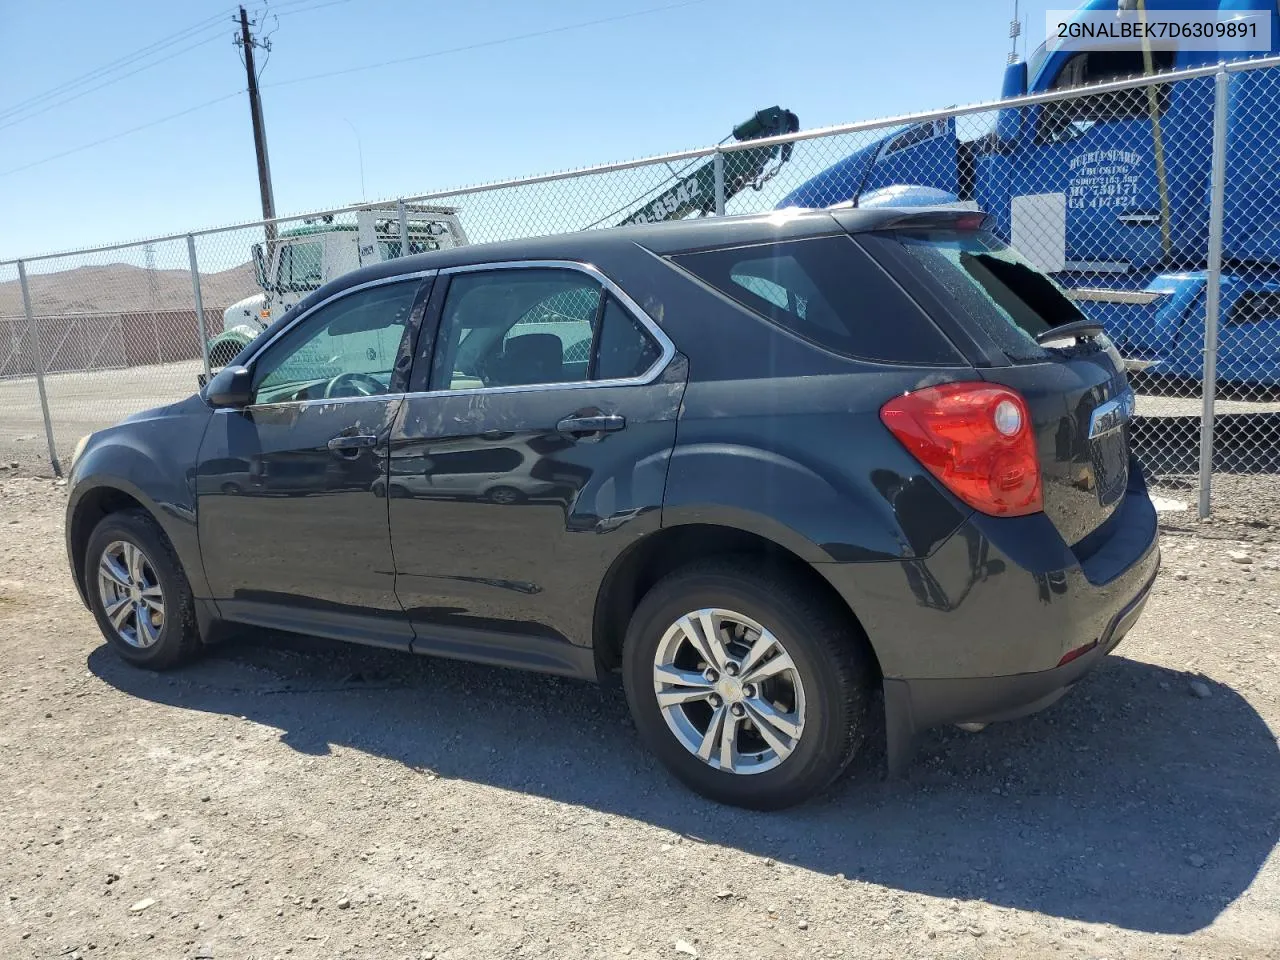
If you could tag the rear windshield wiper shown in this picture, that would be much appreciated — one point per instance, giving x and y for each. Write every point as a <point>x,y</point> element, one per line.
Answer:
<point>1076,329</point>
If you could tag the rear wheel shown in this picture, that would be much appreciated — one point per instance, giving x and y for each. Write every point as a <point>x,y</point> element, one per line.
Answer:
<point>504,494</point>
<point>748,689</point>
<point>138,591</point>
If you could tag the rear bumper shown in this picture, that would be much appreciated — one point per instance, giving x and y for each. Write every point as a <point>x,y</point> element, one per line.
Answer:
<point>913,705</point>
<point>1002,618</point>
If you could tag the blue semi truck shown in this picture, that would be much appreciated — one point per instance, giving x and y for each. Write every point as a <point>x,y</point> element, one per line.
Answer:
<point>1110,193</point>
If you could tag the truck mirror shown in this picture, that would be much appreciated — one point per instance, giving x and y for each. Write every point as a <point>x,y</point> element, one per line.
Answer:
<point>1009,120</point>
<point>260,266</point>
<point>1009,125</point>
<point>1015,80</point>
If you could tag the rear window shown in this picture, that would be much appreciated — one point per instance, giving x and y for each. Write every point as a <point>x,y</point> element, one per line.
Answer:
<point>994,286</point>
<point>828,291</point>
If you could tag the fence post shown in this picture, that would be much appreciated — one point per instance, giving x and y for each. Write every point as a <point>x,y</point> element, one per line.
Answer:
<point>718,164</point>
<point>1213,288</point>
<point>403,213</point>
<point>195,289</point>
<point>33,331</point>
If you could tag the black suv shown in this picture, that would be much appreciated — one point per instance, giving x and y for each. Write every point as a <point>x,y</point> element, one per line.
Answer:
<point>761,466</point>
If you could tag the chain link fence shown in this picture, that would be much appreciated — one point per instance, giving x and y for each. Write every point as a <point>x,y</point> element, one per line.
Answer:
<point>1153,202</point>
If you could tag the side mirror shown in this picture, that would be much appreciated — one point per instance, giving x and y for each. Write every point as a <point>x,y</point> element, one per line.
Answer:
<point>1009,120</point>
<point>260,266</point>
<point>1015,80</point>
<point>231,387</point>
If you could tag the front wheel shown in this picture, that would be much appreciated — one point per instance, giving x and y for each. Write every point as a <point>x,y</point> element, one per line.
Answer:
<point>747,688</point>
<point>138,591</point>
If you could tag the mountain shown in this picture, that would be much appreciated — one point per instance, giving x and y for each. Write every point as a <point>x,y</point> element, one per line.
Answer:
<point>123,288</point>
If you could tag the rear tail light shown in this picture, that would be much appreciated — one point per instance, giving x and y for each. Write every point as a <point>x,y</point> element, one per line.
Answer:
<point>1077,652</point>
<point>976,438</point>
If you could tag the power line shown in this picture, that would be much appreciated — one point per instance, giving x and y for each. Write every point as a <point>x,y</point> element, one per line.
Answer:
<point>106,83</point>
<point>119,63</point>
<point>487,43</point>
<point>436,53</point>
<point>270,7</point>
<point>122,133</point>
<point>281,11</point>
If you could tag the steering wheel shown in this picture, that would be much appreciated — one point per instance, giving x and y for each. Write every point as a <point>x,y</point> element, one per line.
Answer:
<point>353,385</point>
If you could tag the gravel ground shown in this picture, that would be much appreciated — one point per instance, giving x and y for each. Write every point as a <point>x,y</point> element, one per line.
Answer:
<point>287,797</point>
<point>81,403</point>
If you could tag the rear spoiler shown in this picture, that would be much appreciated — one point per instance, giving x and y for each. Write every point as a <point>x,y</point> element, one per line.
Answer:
<point>909,218</point>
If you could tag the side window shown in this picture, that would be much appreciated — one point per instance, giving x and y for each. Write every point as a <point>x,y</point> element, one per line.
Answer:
<point>300,266</point>
<point>623,348</point>
<point>1063,120</point>
<point>828,291</point>
<point>347,348</point>
<point>570,315</point>
<point>523,327</point>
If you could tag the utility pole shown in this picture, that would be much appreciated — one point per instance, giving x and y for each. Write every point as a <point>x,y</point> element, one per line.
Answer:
<point>246,42</point>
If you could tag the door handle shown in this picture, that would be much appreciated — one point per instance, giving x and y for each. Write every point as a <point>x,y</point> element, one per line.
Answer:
<point>350,446</point>
<point>579,428</point>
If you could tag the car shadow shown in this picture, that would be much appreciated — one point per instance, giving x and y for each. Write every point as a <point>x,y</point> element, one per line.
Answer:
<point>1130,802</point>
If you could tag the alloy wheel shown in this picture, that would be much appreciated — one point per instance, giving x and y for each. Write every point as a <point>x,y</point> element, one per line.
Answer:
<point>131,595</point>
<point>729,691</point>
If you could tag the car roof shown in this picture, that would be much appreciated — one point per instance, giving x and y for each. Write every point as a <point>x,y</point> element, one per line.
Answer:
<point>664,239</point>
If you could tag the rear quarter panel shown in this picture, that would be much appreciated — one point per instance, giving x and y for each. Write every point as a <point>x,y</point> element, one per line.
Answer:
<point>784,439</point>
<point>806,463</point>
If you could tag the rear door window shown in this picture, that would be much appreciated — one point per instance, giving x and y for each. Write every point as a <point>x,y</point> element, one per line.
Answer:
<point>993,286</point>
<point>829,292</point>
<point>623,349</point>
<point>535,326</point>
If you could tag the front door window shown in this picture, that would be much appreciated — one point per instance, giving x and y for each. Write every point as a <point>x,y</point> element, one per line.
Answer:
<point>347,348</point>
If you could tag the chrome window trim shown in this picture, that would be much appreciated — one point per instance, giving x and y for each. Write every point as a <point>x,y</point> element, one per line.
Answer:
<point>637,313</point>
<point>315,401</point>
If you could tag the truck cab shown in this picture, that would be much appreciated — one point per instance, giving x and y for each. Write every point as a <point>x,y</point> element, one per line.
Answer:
<point>302,259</point>
<point>1110,193</point>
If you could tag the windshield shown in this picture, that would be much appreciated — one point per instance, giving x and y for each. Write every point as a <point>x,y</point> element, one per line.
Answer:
<point>995,286</point>
<point>300,266</point>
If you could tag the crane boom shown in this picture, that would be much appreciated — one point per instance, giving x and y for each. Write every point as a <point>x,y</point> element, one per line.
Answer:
<point>696,192</point>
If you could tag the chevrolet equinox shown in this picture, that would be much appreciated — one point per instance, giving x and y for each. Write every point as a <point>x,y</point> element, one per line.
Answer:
<point>773,470</point>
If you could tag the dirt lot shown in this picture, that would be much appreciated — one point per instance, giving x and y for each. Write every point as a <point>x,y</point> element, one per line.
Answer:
<point>291,798</point>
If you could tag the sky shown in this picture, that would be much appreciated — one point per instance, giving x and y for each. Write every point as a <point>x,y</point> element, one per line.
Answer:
<point>372,99</point>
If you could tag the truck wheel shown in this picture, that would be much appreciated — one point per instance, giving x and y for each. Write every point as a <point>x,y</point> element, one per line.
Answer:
<point>139,593</point>
<point>747,688</point>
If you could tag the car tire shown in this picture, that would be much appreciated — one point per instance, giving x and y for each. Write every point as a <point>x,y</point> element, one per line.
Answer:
<point>141,634</point>
<point>825,690</point>
<point>504,495</point>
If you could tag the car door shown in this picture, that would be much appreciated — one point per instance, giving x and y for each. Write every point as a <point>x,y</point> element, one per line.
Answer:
<point>533,451</point>
<point>291,488</point>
